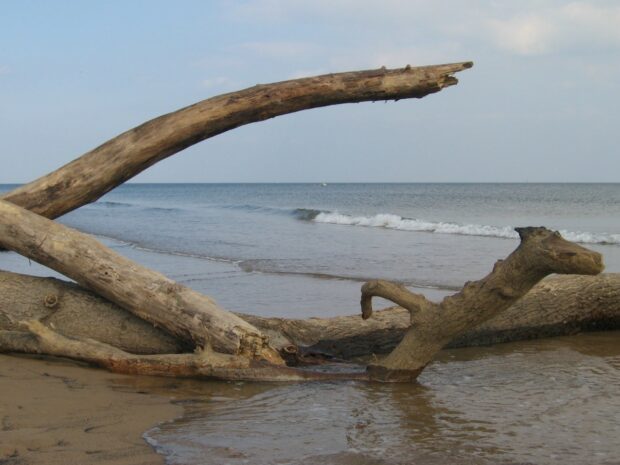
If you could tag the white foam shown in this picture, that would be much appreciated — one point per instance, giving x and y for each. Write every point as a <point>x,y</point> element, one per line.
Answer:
<point>391,221</point>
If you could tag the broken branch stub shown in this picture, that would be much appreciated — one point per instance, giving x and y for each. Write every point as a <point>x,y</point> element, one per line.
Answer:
<point>540,253</point>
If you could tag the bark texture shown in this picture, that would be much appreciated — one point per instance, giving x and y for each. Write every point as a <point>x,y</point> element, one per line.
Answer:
<point>40,339</point>
<point>77,312</point>
<point>433,326</point>
<point>87,178</point>
<point>51,317</point>
<point>558,305</point>
<point>151,296</point>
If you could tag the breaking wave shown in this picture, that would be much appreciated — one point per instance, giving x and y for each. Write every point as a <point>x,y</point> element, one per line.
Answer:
<point>391,221</point>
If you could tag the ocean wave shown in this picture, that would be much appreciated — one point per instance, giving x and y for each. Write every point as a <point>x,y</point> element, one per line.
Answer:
<point>391,221</point>
<point>306,214</point>
<point>110,204</point>
<point>106,203</point>
<point>250,208</point>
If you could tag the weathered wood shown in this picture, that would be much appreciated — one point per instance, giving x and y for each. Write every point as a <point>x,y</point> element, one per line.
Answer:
<point>77,312</point>
<point>190,316</point>
<point>89,177</point>
<point>433,326</point>
<point>558,305</point>
<point>40,339</point>
<point>179,310</point>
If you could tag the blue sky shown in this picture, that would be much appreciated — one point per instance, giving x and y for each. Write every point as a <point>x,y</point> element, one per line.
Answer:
<point>541,103</point>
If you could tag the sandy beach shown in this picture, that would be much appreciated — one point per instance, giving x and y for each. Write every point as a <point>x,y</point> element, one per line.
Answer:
<point>58,412</point>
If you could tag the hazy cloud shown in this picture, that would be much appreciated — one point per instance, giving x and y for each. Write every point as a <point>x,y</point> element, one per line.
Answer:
<point>557,116</point>
<point>530,35</point>
<point>526,27</point>
<point>575,24</point>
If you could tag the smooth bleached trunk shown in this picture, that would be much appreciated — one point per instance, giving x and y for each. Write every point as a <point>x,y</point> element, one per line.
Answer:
<point>181,311</point>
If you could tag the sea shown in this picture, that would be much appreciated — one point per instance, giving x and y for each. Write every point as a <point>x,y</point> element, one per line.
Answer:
<point>303,250</point>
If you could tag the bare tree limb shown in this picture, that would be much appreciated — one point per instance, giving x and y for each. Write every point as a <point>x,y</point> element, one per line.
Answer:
<point>433,326</point>
<point>87,178</point>
<point>181,311</point>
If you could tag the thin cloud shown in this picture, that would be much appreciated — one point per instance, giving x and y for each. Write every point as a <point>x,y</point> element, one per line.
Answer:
<point>527,27</point>
<point>575,25</point>
<point>530,35</point>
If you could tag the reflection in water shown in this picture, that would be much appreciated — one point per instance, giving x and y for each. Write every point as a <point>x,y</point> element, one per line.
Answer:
<point>542,402</point>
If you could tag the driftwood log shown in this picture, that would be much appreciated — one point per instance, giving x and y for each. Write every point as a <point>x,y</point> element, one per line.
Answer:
<point>97,172</point>
<point>204,363</point>
<point>433,326</point>
<point>226,345</point>
<point>183,312</point>
<point>558,305</point>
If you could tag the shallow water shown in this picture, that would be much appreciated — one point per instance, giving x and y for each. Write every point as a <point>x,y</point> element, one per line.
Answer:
<point>302,250</point>
<point>542,402</point>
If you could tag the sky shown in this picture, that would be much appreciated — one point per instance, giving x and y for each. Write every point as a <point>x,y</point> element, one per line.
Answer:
<point>541,103</point>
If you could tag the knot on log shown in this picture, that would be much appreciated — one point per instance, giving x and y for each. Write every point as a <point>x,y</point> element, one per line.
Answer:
<point>290,354</point>
<point>51,301</point>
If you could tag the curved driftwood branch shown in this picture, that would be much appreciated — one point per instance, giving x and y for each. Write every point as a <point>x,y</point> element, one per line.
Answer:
<point>395,292</point>
<point>433,326</point>
<point>184,313</point>
<point>87,178</point>
<point>39,339</point>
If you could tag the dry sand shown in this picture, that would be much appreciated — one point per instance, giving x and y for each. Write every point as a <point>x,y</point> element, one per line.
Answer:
<point>56,412</point>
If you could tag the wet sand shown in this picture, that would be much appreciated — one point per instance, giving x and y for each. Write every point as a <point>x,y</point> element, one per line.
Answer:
<point>58,412</point>
<point>540,402</point>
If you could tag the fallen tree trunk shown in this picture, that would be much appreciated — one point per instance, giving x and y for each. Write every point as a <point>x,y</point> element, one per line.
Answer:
<point>558,305</point>
<point>151,296</point>
<point>540,253</point>
<point>77,312</point>
<point>87,178</point>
